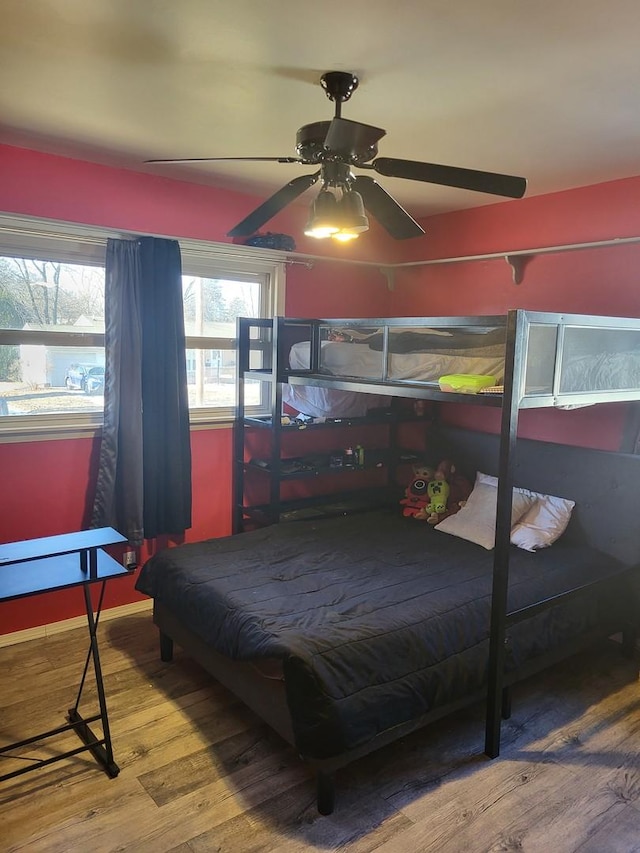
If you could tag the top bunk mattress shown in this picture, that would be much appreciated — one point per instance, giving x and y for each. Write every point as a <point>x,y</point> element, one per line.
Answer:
<point>362,361</point>
<point>360,356</point>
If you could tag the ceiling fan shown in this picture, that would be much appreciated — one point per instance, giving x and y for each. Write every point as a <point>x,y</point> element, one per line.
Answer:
<point>336,146</point>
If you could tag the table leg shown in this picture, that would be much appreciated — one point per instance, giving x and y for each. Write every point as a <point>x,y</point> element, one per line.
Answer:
<point>101,749</point>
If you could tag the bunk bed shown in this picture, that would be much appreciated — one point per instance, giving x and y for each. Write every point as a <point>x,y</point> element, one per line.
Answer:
<point>347,633</point>
<point>422,353</point>
<point>414,352</point>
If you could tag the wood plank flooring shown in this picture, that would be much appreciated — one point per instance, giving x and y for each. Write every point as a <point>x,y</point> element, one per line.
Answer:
<point>200,773</point>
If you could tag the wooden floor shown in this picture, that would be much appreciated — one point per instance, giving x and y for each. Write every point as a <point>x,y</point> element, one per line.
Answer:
<point>200,773</point>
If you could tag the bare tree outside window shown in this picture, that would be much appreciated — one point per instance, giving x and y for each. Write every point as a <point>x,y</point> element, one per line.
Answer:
<point>37,372</point>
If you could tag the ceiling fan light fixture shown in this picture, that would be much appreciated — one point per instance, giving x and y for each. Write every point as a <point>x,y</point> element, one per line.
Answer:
<point>353,218</point>
<point>343,219</point>
<point>323,216</point>
<point>345,236</point>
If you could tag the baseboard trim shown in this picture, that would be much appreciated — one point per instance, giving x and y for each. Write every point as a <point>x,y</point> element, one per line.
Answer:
<point>42,631</point>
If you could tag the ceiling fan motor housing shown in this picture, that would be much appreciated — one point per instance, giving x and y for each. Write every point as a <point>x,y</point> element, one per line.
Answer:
<point>310,141</point>
<point>310,145</point>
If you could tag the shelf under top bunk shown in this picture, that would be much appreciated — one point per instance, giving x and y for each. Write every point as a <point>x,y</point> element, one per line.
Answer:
<point>542,359</point>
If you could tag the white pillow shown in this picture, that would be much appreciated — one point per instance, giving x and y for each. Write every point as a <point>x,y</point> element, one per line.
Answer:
<point>476,521</point>
<point>543,523</point>
<point>493,481</point>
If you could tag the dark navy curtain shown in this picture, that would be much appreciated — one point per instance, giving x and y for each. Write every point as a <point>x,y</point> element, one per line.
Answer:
<point>118,499</point>
<point>165,402</point>
<point>144,477</point>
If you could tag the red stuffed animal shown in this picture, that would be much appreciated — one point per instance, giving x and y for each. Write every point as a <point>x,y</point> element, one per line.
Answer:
<point>415,495</point>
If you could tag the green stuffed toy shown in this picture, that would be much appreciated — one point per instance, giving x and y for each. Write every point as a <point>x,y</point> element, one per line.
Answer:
<point>446,492</point>
<point>438,493</point>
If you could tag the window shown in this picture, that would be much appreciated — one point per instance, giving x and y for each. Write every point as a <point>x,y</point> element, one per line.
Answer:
<point>52,323</point>
<point>217,290</point>
<point>211,306</point>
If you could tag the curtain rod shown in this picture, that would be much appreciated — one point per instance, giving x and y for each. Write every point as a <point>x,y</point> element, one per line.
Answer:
<point>543,250</point>
<point>517,258</point>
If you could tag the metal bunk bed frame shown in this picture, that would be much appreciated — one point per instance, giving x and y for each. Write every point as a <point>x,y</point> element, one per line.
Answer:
<point>271,339</point>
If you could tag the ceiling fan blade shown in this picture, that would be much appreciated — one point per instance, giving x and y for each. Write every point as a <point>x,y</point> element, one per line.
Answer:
<point>251,223</point>
<point>351,138</point>
<point>228,159</point>
<point>451,176</point>
<point>386,209</point>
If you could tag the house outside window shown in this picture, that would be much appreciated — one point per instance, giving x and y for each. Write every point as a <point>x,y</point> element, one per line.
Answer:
<point>52,324</point>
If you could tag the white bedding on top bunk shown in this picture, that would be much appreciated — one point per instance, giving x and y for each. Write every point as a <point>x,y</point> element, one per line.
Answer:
<point>358,360</point>
<point>331,402</point>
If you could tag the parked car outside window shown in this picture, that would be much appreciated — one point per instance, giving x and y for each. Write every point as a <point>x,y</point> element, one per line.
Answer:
<point>85,377</point>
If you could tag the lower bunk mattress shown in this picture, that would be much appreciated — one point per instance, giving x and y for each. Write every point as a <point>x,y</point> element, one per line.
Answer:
<point>376,619</point>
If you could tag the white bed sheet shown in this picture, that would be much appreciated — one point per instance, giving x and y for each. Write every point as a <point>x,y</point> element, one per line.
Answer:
<point>331,402</point>
<point>359,361</point>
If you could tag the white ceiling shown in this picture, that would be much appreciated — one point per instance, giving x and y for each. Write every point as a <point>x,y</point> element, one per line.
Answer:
<point>545,89</point>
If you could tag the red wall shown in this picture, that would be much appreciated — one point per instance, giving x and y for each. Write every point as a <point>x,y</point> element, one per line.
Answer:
<point>47,486</point>
<point>589,281</point>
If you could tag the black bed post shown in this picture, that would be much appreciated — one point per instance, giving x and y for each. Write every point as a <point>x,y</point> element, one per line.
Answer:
<point>166,648</point>
<point>514,370</point>
<point>325,792</point>
<point>629,639</point>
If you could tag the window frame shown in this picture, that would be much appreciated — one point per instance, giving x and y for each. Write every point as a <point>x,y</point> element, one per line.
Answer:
<point>245,268</point>
<point>27,237</point>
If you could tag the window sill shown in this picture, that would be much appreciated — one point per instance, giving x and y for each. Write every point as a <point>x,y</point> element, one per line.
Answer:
<point>13,433</point>
<point>198,424</point>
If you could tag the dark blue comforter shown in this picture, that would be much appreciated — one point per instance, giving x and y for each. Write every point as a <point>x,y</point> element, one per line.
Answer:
<point>377,618</point>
